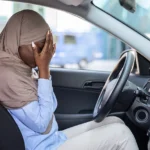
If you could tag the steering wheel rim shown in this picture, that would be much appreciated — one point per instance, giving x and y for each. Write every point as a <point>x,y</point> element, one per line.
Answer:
<point>114,85</point>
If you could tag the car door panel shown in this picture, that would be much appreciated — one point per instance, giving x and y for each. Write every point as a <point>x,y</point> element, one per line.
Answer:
<point>76,92</point>
<point>76,78</point>
<point>75,106</point>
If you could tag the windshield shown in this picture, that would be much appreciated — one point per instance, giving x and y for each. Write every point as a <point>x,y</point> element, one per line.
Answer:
<point>139,20</point>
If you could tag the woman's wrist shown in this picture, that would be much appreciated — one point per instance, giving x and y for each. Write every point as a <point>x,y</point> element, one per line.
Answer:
<point>44,73</point>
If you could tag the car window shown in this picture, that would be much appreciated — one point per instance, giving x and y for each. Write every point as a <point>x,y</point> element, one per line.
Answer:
<point>80,45</point>
<point>138,20</point>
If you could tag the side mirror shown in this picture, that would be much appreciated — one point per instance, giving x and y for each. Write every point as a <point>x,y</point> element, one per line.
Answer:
<point>130,5</point>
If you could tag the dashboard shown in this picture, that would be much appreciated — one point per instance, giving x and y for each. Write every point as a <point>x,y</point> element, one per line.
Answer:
<point>135,101</point>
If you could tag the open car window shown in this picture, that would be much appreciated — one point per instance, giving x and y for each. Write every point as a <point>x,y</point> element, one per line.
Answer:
<point>79,44</point>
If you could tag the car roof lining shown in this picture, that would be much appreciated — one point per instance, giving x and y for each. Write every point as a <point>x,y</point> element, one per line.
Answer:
<point>91,13</point>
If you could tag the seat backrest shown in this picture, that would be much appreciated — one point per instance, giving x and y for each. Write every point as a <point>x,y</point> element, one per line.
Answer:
<point>10,135</point>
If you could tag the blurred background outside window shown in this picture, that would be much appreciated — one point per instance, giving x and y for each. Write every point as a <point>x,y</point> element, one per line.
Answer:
<point>80,45</point>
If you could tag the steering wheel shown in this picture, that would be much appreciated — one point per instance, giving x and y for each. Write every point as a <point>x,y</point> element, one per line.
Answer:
<point>114,85</point>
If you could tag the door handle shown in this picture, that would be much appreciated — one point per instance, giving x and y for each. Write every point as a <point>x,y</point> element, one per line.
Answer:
<point>93,85</point>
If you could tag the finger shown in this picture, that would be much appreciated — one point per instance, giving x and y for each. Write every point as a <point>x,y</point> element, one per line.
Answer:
<point>47,42</point>
<point>54,48</point>
<point>35,50</point>
<point>51,42</point>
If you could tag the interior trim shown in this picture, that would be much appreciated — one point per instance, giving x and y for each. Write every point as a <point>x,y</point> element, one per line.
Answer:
<point>84,116</point>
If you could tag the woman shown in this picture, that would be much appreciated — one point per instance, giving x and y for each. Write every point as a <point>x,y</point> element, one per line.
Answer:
<point>26,42</point>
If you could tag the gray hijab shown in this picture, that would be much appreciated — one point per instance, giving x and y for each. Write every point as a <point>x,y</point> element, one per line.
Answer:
<point>17,88</point>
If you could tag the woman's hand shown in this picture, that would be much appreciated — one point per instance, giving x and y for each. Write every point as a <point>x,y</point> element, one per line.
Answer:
<point>43,59</point>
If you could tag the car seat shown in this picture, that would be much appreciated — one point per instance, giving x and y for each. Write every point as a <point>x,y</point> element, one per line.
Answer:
<point>10,135</point>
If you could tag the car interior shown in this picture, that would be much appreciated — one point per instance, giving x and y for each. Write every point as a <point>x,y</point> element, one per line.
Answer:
<point>85,95</point>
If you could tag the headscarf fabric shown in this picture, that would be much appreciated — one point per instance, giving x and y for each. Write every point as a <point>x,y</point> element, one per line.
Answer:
<point>17,87</point>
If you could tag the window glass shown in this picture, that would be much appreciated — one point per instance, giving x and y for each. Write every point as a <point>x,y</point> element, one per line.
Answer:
<point>80,45</point>
<point>139,20</point>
